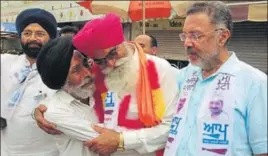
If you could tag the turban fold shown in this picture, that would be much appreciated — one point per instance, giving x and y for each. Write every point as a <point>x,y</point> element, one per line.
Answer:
<point>44,18</point>
<point>99,33</point>
<point>53,61</point>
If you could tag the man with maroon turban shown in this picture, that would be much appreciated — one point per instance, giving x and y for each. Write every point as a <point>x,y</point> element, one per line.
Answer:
<point>136,93</point>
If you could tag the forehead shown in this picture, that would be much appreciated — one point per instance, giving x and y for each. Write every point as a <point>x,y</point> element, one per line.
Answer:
<point>143,39</point>
<point>197,22</point>
<point>34,27</point>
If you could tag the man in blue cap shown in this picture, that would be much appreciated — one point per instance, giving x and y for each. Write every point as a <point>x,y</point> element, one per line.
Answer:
<point>22,88</point>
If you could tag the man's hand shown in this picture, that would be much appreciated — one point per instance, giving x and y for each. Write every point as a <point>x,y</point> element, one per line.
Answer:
<point>106,143</point>
<point>42,123</point>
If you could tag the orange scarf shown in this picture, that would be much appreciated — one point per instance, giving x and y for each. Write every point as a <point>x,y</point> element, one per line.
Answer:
<point>150,100</point>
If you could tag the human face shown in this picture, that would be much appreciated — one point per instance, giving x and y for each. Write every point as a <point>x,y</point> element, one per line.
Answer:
<point>80,77</point>
<point>110,58</point>
<point>216,106</point>
<point>33,38</point>
<point>145,42</point>
<point>202,41</point>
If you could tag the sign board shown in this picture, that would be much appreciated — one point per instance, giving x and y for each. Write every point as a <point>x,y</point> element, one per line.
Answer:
<point>164,24</point>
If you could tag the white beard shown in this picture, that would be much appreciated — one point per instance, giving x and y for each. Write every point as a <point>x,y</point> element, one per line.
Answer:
<point>123,78</point>
<point>78,91</point>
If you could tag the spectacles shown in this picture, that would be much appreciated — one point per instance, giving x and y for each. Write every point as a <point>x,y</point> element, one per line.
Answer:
<point>110,56</point>
<point>37,34</point>
<point>194,36</point>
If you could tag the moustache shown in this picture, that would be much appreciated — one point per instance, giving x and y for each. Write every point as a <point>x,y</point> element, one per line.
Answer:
<point>31,51</point>
<point>87,81</point>
<point>191,51</point>
<point>33,42</point>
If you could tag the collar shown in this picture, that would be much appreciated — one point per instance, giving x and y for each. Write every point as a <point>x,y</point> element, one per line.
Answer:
<point>27,64</point>
<point>66,97</point>
<point>230,66</point>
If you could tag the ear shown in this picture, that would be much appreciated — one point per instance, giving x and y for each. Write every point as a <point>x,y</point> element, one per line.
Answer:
<point>154,50</point>
<point>224,36</point>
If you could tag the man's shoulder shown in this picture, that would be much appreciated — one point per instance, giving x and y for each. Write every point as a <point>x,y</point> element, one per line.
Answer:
<point>158,60</point>
<point>250,73</point>
<point>10,57</point>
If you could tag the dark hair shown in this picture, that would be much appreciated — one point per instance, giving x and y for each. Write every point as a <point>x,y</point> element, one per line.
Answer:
<point>53,61</point>
<point>153,41</point>
<point>68,29</point>
<point>217,11</point>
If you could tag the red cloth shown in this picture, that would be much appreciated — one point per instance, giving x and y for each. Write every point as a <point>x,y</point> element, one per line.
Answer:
<point>99,33</point>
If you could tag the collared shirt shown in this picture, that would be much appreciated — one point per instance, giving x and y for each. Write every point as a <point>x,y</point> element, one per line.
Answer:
<point>250,110</point>
<point>22,137</point>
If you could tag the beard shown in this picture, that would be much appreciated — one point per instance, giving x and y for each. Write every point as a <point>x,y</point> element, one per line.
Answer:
<point>31,52</point>
<point>80,91</point>
<point>205,60</point>
<point>123,77</point>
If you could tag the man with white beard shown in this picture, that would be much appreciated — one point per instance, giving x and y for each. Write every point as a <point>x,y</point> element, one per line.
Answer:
<point>63,68</point>
<point>136,93</point>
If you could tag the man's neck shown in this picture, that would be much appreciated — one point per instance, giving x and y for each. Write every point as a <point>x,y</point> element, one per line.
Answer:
<point>31,60</point>
<point>84,101</point>
<point>222,59</point>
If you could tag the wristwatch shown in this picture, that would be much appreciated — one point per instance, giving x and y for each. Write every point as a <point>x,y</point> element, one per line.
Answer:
<point>121,143</point>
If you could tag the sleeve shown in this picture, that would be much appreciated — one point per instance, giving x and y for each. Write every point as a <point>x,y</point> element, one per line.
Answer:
<point>149,140</point>
<point>6,85</point>
<point>69,122</point>
<point>257,118</point>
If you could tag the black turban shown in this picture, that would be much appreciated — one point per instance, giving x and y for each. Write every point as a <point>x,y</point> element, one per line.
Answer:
<point>53,61</point>
<point>44,18</point>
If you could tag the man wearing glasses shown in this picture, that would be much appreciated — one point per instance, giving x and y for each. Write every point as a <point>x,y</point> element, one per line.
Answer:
<point>22,88</point>
<point>135,94</point>
<point>213,70</point>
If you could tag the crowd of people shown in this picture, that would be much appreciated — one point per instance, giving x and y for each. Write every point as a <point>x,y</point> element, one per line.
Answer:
<point>91,92</point>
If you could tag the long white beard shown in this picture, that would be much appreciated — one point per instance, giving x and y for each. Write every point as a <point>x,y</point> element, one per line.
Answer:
<point>78,91</point>
<point>123,78</point>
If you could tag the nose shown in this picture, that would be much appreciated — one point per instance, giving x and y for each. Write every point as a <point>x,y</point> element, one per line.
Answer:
<point>86,72</point>
<point>111,62</point>
<point>188,42</point>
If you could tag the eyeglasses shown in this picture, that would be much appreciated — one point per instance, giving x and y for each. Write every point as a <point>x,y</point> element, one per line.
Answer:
<point>110,56</point>
<point>195,36</point>
<point>37,34</point>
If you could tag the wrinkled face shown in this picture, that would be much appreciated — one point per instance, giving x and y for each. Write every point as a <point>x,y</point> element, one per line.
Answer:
<point>80,78</point>
<point>145,42</point>
<point>33,38</point>
<point>216,106</point>
<point>201,40</point>
<point>118,67</point>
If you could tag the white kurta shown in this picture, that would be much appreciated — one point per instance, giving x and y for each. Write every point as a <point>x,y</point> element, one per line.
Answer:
<point>74,119</point>
<point>22,137</point>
